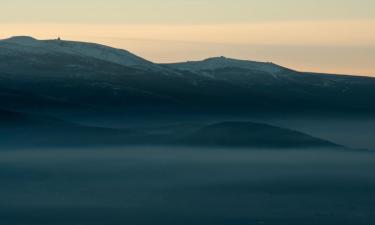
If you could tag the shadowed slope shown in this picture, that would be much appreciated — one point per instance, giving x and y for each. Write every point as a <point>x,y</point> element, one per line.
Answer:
<point>19,129</point>
<point>247,134</point>
<point>26,130</point>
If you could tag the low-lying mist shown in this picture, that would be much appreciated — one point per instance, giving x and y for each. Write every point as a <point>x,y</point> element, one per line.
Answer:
<point>116,186</point>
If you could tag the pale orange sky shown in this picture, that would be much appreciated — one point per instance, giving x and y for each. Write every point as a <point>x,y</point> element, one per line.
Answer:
<point>301,34</point>
<point>335,47</point>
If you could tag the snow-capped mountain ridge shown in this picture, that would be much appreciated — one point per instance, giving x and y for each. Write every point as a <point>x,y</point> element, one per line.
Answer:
<point>31,45</point>
<point>60,74</point>
<point>18,45</point>
<point>223,62</point>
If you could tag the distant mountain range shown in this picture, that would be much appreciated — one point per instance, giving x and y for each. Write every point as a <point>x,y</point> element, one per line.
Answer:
<point>48,88</point>
<point>57,75</point>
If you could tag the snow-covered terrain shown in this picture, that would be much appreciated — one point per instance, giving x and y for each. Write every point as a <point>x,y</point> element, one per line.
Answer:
<point>19,45</point>
<point>22,44</point>
<point>88,74</point>
<point>223,62</point>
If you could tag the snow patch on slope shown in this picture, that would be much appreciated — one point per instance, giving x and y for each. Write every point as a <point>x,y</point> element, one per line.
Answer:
<point>23,40</point>
<point>101,52</point>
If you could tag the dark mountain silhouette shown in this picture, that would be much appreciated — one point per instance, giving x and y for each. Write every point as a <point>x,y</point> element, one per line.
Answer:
<point>26,130</point>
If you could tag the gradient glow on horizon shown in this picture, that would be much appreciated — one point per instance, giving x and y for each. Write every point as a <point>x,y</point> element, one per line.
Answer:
<point>324,36</point>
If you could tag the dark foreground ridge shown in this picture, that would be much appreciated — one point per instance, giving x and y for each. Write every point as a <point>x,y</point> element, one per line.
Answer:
<point>23,130</point>
<point>248,134</point>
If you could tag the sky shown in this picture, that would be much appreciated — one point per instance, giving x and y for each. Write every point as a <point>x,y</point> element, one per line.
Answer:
<point>333,36</point>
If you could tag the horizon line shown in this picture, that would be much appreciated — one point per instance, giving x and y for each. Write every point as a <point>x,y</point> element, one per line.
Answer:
<point>59,38</point>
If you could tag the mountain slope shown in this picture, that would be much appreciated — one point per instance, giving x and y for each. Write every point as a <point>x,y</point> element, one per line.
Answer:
<point>278,88</point>
<point>248,134</point>
<point>22,44</point>
<point>223,62</point>
<point>26,130</point>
